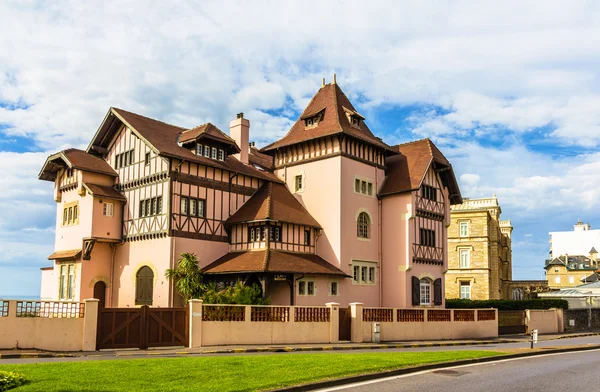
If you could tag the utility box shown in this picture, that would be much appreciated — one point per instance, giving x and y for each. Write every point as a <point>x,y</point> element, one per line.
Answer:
<point>534,335</point>
<point>376,333</point>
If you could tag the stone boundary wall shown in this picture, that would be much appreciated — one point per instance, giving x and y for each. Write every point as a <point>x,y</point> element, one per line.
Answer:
<point>545,321</point>
<point>577,319</point>
<point>422,324</point>
<point>44,325</point>
<point>217,325</point>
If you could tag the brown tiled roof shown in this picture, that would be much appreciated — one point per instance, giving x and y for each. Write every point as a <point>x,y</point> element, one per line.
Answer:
<point>273,202</point>
<point>77,159</point>
<point>209,131</point>
<point>65,254</point>
<point>272,261</point>
<point>262,160</point>
<point>103,191</point>
<point>406,171</point>
<point>163,138</point>
<point>331,99</point>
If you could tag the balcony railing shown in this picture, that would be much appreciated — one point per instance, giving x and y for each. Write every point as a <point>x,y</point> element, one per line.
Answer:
<point>428,254</point>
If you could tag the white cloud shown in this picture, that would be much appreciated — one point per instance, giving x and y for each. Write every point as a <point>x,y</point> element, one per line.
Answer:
<point>497,72</point>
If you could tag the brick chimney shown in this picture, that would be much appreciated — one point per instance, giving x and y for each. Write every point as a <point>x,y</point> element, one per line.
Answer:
<point>239,130</point>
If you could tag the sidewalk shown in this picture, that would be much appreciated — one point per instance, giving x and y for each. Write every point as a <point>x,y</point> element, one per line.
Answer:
<point>16,354</point>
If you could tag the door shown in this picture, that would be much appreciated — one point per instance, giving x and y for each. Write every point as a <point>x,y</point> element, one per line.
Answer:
<point>100,293</point>
<point>344,324</point>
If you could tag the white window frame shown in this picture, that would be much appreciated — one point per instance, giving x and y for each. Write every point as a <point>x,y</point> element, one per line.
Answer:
<point>207,151</point>
<point>108,209</point>
<point>333,284</point>
<point>221,155</point>
<point>425,291</point>
<point>214,153</point>
<point>465,294</point>
<point>463,225</point>
<point>466,262</point>
<point>306,284</point>
<point>571,279</point>
<point>366,273</point>
<point>557,279</point>
<point>368,185</point>
<point>66,283</point>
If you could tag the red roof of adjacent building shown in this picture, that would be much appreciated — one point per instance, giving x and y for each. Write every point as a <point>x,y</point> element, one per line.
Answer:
<point>331,100</point>
<point>273,202</point>
<point>272,261</point>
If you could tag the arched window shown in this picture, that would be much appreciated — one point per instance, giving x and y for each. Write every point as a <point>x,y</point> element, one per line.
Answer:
<point>144,286</point>
<point>425,284</point>
<point>362,225</point>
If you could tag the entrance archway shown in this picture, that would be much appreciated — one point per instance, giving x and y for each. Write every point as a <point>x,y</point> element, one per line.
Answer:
<point>100,293</point>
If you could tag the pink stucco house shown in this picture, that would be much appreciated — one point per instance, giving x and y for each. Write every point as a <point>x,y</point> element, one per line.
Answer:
<point>328,213</point>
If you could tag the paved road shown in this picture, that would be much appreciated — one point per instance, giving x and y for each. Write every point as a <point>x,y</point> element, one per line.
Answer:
<point>493,347</point>
<point>549,373</point>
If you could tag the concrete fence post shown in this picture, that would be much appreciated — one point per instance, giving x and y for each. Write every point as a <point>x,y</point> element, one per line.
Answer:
<point>195,323</point>
<point>528,327</point>
<point>90,324</point>
<point>12,309</point>
<point>334,322</point>
<point>356,322</point>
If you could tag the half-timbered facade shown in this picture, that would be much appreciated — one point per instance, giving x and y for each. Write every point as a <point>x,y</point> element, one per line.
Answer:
<point>328,213</point>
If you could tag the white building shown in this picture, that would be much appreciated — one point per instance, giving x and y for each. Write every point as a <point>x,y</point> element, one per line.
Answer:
<point>576,242</point>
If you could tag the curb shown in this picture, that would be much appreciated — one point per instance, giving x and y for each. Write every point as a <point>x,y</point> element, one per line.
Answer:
<point>36,355</point>
<point>281,349</point>
<point>415,369</point>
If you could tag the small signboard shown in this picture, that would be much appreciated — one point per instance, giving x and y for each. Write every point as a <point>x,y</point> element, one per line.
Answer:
<point>280,277</point>
<point>572,322</point>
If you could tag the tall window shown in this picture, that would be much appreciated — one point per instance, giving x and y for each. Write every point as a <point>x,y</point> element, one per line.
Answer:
<point>362,225</point>
<point>214,153</point>
<point>333,288</point>
<point>429,192</point>
<point>193,207</point>
<point>465,290</point>
<point>71,214</point>
<point>557,279</point>
<point>144,286</point>
<point>306,237</point>
<point>363,187</point>
<point>425,291</point>
<point>464,229</point>
<point>147,159</point>
<point>306,287</point>
<point>67,282</point>
<point>207,151</point>
<point>298,183</point>
<point>465,258</point>
<point>221,155</point>
<point>151,206</point>
<point>427,237</point>
<point>107,209</point>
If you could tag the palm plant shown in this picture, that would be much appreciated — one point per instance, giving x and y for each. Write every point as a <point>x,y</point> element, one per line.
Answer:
<point>187,277</point>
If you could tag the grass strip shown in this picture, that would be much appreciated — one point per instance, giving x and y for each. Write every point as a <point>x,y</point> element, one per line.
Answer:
<point>219,373</point>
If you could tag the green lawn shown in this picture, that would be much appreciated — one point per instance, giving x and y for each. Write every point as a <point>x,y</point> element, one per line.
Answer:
<point>225,373</point>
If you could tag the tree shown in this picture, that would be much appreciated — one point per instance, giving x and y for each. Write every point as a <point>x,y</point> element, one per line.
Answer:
<point>239,294</point>
<point>187,277</point>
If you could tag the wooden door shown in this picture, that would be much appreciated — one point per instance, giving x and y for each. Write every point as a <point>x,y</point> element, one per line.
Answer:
<point>100,293</point>
<point>344,324</point>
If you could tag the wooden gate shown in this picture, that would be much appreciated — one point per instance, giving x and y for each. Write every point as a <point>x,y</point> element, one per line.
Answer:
<point>345,320</point>
<point>142,327</point>
<point>511,322</point>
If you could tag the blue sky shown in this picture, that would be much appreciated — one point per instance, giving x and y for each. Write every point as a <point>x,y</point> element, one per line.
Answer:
<point>510,92</point>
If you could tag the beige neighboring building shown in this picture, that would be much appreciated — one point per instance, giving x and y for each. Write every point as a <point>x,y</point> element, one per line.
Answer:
<point>479,251</point>
<point>571,270</point>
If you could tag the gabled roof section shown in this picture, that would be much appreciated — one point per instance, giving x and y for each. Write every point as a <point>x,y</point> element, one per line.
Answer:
<point>555,261</point>
<point>208,131</point>
<point>593,278</point>
<point>74,159</point>
<point>104,191</point>
<point>263,161</point>
<point>162,138</point>
<point>274,262</point>
<point>331,100</point>
<point>273,202</point>
<point>406,171</point>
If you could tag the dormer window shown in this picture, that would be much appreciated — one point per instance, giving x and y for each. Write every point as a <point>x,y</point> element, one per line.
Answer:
<point>221,155</point>
<point>214,153</point>
<point>355,120</point>
<point>207,151</point>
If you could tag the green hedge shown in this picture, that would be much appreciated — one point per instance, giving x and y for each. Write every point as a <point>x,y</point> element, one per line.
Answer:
<point>503,304</point>
<point>10,380</point>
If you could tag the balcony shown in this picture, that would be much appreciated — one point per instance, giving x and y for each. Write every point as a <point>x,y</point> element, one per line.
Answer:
<point>428,254</point>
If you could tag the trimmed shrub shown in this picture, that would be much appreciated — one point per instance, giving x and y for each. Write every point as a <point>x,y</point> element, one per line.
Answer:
<point>10,380</point>
<point>504,304</point>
